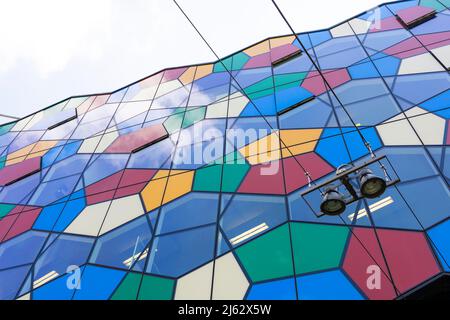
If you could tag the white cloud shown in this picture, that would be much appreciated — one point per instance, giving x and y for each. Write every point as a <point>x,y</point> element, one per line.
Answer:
<point>52,49</point>
<point>50,33</point>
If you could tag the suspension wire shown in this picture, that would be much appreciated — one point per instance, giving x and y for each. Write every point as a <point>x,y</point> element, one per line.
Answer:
<point>383,167</point>
<point>388,275</point>
<point>307,174</point>
<point>366,143</point>
<point>10,117</point>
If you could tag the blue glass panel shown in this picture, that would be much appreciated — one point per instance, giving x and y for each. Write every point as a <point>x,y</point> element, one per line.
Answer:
<point>53,119</point>
<point>421,87</point>
<point>428,199</point>
<point>57,289</point>
<point>208,96</point>
<point>262,106</point>
<point>356,145</point>
<point>54,190</point>
<point>193,210</point>
<point>11,280</point>
<point>59,216</point>
<point>21,191</point>
<point>299,64</point>
<point>51,156</point>
<point>290,97</point>
<point>244,212</point>
<point>369,112</point>
<point>383,40</point>
<point>246,78</point>
<point>331,285</point>
<point>319,37</point>
<point>314,114</point>
<point>363,70</point>
<point>98,283</point>
<point>388,215</point>
<point>410,162</point>
<point>440,102</point>
<point>379,63</point>
<point>69,166</point>
<point>69,149</point>
<point>274,290</point>
<point>396,7</point>
<point>333,149</point>
<point>24,139</point>
<point>63,252</point>
<point>305,39</point>
<point>104,166</point>
<point>342,58</point>
<point>123,246</point>
<point>173,99</point>
<point>48,217</point>
<point>177,254</point>
<point>7,138</point>
<point>211,81</point>
<point>154,157</point>
<point>438,24</point>
<point>441,244</point>
<point>117,96</point>
<point>202,131</point>
<point>446,164</point>
<point>21,250</point>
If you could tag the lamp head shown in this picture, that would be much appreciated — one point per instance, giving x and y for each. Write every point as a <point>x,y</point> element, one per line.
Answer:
<point>333,203</point>
<point>372,186</point>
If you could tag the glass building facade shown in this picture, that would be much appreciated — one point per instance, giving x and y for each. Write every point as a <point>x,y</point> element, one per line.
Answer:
<point>187,184</point>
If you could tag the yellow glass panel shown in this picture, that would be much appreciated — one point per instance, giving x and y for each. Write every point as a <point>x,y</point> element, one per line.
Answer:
<point>188,76</point>
<point>163,189</point>
<point>19,155</point>
<point>41,148</point>
<point>153,194</point>
<point>203,71</point>
<point>299,141</point>
<point>263,150</point>
<point>258,49</point>
<point>178,185</point>
<point>278,42</point>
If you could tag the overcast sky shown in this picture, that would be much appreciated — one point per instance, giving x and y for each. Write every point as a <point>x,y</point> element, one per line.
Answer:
<point>53,49</point>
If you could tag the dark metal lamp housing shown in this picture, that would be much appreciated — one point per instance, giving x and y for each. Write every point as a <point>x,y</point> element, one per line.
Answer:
<point>372,186</point>
<point>333,203</point>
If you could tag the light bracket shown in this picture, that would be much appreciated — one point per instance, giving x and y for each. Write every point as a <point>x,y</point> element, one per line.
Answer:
<point>344,179</point>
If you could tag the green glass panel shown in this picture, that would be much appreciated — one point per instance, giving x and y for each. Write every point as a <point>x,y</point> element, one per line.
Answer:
<point>219,66</point>
<point>239,60</point>
<point>2,162</point>
<point>234,171</point>
<point>173,123</point>
<point>260,89</point>
<point>208,179</point>
<point>194,116</point>
<point>129,287</point>
<point>317,247</point>
<point>286,81</point>
<point>4,129</point>
<point>433,4</point>
<point>268,257</point>
<point>5,209</point>
<point>155,288</point>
